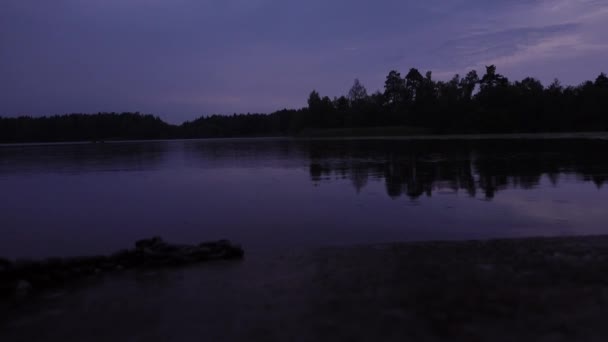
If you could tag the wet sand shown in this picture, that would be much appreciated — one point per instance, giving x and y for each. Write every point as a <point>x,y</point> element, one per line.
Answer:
<point>549,289</point>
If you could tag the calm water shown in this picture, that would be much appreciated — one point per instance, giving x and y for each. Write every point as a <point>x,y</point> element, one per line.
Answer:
<point>269,194</point>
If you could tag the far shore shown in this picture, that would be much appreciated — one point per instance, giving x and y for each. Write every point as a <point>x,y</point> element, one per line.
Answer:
<point>397,133</point>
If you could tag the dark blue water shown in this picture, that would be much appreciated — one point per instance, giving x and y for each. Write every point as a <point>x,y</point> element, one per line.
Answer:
<point>269,194</point>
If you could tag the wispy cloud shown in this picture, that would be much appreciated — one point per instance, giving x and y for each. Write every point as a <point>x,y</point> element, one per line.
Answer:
<point>479,48</point>
<point>529,32</point>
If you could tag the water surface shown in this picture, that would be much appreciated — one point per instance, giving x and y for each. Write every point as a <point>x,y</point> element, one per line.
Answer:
<point>271,194</point>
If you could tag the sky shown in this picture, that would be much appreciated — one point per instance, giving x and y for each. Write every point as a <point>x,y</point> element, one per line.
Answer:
<point>180,59</point>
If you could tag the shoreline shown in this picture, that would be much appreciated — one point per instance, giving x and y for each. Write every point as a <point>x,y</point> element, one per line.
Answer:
<point>601,135</point>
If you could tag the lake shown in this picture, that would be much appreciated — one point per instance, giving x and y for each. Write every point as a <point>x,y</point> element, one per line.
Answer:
<point>284,194</point>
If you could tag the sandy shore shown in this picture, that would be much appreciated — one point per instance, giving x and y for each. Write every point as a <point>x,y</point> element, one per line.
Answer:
<point>545,289</point>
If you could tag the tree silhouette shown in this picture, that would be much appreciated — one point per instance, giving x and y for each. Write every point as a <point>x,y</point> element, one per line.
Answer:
<point>468,83</point>
<point>314,100</point>
<point>413,82</point>
<point>492,80</point>
<point>394,88</point>
<point>357,92</point>
<point>601,81</point>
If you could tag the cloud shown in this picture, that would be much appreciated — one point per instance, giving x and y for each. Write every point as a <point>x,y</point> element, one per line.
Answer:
<point>565,47</point>
<point>525,34</point>
<point>483,47</point>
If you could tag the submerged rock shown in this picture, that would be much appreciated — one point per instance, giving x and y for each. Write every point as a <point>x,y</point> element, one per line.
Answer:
<point>155,251</point>
<point>153,243</point>
<point>5,264</point>
<point>21,277</point>
<point>23,287</point>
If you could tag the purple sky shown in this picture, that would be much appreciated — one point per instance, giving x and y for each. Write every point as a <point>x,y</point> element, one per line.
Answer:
<point>181,59</point>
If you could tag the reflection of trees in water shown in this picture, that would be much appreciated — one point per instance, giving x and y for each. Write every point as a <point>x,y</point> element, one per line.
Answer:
<point>415,168</point>
<point>417,177</point>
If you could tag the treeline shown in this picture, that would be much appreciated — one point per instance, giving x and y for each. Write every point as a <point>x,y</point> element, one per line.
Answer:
<point>490,103</point>
<point>84,127</point>
<point>470,104</point>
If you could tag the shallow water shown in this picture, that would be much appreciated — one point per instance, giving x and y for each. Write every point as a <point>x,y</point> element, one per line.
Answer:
<point>272,194</point>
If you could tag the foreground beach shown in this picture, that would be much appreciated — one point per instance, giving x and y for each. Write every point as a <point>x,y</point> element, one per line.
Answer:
<point>539,289</point>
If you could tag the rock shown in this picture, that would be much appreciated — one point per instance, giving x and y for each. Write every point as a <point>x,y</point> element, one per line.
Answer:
<point>105,266</point>
<point>152,243</point>
<point>155,251</point>
<point>234,252</point>
<point>604,295</point>
<point>127,258</point>
<point>6,289</point>
<point>54,262</point>
<point>23,264</point>
<point>23,275</point>
<point>5,264</point>
<point>23,287</point>
<point>486,267</point>
<point>222,249</point>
